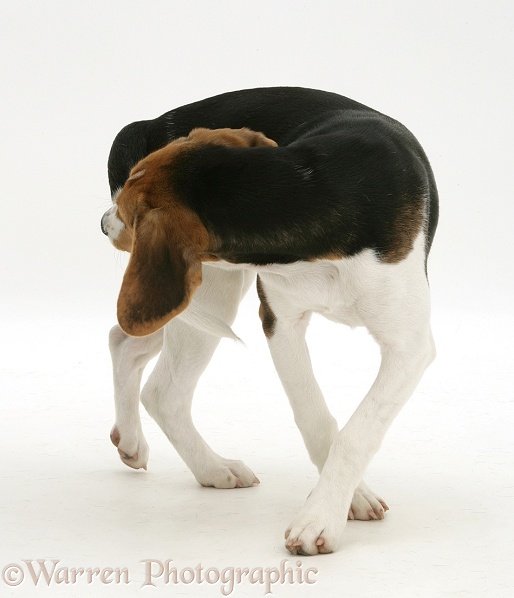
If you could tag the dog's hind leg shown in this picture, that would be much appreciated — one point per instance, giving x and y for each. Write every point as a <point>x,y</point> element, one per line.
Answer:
<point>395,307</point>
<point>288,348</point>
<point>285,333</point>
<point>168,394</point>
<point>129,356</point>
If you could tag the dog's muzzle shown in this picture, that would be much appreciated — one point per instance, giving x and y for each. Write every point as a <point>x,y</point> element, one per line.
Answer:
<point>102,224</point>
<point>110,224</point>
<point>113,227</point>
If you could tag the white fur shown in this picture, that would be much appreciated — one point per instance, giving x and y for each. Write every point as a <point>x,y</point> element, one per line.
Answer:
<point>204,320</point>
<point>168,393</point>
<point>391,300</point>
<point>111,224</point>
<point>115,194</point>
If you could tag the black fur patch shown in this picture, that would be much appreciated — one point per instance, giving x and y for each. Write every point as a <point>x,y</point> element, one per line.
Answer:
<point>350,178</point>
<point>357,181</point>
<point>278,112</point>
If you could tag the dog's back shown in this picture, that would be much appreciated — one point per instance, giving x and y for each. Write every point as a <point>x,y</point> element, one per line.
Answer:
<point>351,180</point>
<point>281,113</point>
<point>294,116</point>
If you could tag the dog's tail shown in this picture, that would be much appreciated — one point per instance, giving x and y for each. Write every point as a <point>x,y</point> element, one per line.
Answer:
<point>203,320</point>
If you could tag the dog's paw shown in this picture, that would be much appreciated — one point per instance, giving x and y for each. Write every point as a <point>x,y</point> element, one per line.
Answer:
<point>314,533</point>
<point>132,447</point>
<point>226,473</point>
<point>366,505</point>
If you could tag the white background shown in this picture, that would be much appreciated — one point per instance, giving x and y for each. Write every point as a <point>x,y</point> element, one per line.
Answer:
<point>73,74</point>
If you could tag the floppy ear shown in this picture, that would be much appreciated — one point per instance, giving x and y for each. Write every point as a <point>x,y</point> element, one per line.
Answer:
<point>255,139</point>
<point>231,137</point>
<point>162,275</point>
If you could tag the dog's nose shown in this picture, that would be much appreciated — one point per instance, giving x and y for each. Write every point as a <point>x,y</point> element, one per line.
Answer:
<point>102,226</point>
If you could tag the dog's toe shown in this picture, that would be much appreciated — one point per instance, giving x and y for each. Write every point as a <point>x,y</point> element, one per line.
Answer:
<point>115,436</point>
<point>366,505</point>
<point>311,534</point>
<point>310,540</point>
<point>227,473</point>
<point>132,447</point>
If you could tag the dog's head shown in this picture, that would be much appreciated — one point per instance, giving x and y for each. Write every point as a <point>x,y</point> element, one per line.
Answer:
<point>166,239</point>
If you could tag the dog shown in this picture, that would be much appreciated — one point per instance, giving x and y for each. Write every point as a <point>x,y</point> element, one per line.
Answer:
<point>332,207</point>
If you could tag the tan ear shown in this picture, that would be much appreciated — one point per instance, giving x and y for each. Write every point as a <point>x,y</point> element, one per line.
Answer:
<point>256,139</point>
<point>231,137</point>
<point>162,275</point>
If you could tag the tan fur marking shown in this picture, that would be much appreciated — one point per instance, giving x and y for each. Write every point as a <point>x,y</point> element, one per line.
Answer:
<point>405,230</point>
<point>164,269</point>
<point>266,314</point>
<point>403,233</point>
<point>167,240</point>
<point>230,137</point>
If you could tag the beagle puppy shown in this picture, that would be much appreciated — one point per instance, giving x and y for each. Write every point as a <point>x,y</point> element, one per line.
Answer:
<point>333,214</point>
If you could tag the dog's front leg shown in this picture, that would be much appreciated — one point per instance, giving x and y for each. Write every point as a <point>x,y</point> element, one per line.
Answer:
<point>129,356</point>
<point>168,394</point>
